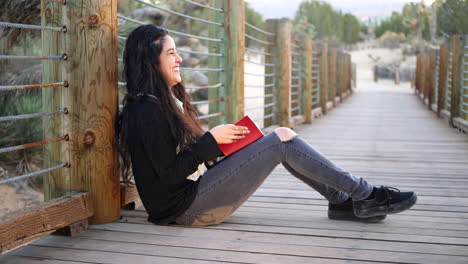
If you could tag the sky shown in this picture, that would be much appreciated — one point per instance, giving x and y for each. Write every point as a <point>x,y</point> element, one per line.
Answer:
<point>360,8</point>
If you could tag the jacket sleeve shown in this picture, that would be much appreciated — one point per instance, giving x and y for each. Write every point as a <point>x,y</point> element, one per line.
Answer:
<point>159,147</point>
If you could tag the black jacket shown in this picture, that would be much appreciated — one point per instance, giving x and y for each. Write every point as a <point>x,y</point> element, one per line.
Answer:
<point>160,174</point>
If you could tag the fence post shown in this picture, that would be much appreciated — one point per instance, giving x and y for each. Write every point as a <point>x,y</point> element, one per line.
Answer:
<point>282,57</point>
<point>332,80</point>
<point>307,79</point>
<point>324,78</point>
<point>234,32</point>
<point>430,78</point>
<point>457,54</point>
<point>464,79</point>
<point>442,77</point>
<point>215,62</point>
<point>340,74</point>
<point>56,183</point>
<point>92,100</point>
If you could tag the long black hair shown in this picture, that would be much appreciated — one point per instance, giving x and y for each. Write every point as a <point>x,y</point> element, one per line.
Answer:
<point>141,70</point>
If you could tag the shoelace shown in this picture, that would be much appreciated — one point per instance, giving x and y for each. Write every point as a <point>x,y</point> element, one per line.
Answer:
<point>388,193</point>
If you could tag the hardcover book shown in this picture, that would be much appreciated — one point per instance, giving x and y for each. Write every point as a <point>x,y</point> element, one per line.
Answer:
<point>255,134</point>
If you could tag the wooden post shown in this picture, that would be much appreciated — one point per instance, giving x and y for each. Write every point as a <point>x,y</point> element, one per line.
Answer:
<point>56,183</point>
<point>92,101</point>
<point>397,77</point>
<point>430,78</point>
<point>307,79</point>
<point>215,62</point>
<point>282,57</point>
<point>234,41</point>
<point>443,55</point>
<point>324,78</point>
<point>340,74</point>
<point>457,55</point>
<point>464,78</point>
<point>332,74</point>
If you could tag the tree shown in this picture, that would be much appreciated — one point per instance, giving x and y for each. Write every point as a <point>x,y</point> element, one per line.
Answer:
<point>452,18</point>
<point>327,22</point>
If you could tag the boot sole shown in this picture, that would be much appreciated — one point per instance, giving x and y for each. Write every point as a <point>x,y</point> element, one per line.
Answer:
<point>350,216</point>
<point>384,210</point>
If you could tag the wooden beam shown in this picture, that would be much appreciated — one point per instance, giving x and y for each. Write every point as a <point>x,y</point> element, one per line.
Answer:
<point>22,227</point>
<point>282,57</point>
<point>307,79</point>
<point>234,41</point>
<point>332,75</point>
<point>324,78</point>
<point>442,77</point>
<point>91,69</point>
<point>457,55</point>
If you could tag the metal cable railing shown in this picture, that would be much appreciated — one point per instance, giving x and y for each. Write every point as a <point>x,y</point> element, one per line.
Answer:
<point>169,30</point>
<point>296,79</point>
<point>436,83</point>
<point>180,14</point>
<point>204,6</point>
<point>219,83</point>
<point>268,73</point>
<point>316,78</point>
<point>36,115</point>
<point>8,88</point>
<point>448,90</point>
<point>464,86</point>
<point>32,174</point>
<point>5,88</point>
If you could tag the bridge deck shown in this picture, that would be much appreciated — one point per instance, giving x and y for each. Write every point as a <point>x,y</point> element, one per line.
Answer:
<point>393,140</point>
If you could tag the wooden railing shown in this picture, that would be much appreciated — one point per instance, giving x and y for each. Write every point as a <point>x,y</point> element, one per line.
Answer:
<point>441,80</point>
<point>302,78</point>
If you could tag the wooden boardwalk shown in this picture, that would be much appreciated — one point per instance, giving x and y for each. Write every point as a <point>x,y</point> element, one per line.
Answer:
<point>383,133</point>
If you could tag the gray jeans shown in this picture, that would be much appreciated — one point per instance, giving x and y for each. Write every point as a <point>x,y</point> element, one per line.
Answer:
<point>224,187</point>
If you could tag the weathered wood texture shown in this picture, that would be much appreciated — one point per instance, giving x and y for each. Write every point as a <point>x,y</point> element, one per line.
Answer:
<point>332,75</point>
<point>324,77</point>
<point>57,182</point>
<point>234,28</point>
<point>20,228</point>
<point>306,94</point>
<point>91,98</point>
<point>457,53</point>
<point>282,59</point>
<point>464,79</point>
<point>392,141</point>
<point>443,56</point>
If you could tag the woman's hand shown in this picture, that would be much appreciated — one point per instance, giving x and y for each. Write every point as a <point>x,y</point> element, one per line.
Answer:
<point>225,134</point>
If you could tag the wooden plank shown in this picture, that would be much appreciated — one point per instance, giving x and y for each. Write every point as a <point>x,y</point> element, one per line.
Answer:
<point>110,257</point>
<point>234,42</point>
<point>443,55</point>
<point>34,260</point>
<point>20,227</point>
<point>305,244</point>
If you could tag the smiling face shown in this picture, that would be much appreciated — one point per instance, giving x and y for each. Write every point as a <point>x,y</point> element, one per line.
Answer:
<point>169,62</point>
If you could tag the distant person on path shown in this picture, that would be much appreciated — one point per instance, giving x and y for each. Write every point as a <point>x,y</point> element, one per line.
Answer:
<point>171,156</point>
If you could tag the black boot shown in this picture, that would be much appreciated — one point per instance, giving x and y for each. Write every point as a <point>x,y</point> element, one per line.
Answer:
<point>344,211</point>
<point>384,200</point>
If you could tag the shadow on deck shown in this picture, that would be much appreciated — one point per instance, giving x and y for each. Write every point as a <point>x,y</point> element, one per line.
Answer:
<point>393,140</point>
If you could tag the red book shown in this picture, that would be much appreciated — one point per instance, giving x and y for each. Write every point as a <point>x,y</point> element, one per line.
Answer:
<point>255,133</point>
